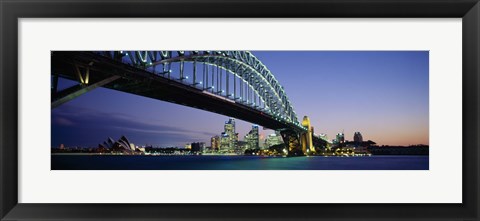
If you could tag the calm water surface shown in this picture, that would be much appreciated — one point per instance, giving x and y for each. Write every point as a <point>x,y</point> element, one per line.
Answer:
<point>96,162</point>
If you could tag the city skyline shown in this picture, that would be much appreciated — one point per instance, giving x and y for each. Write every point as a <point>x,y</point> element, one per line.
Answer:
<point>383,95</point>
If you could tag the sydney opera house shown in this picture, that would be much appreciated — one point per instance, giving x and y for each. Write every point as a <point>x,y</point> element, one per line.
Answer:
<point>121,146</point>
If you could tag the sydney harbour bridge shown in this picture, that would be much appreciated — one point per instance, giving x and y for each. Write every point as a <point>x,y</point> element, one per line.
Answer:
<point>231,83</point>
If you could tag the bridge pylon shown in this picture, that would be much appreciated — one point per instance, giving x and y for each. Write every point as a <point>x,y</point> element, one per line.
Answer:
<point>299,143</point>
<point>306,138</point>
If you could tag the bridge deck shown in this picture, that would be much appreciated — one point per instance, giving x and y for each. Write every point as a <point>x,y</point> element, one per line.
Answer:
<point>140,82</point>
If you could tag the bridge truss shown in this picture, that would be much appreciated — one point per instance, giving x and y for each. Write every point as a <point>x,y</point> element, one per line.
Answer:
<point>235,75</point>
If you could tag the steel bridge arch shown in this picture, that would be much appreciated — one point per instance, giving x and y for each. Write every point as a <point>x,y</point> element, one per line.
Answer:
<point>242,64</point>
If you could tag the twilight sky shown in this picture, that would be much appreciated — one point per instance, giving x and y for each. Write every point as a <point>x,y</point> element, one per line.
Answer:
<point>384,95</point>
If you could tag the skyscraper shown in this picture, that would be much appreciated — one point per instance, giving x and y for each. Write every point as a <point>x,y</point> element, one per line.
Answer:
<point>340,138</point>
<point>229,138</point>
<point>215,143</point>
<point>252,138</point>
<point>357,138</point>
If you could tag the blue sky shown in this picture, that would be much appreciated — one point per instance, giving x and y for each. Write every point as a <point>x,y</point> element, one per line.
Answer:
<point>384,95</point>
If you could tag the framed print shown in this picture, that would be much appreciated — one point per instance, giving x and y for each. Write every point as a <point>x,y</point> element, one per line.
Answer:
<point>239,110</point>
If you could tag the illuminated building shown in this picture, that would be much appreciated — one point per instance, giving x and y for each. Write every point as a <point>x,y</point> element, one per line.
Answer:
<point>273,139</point>
<point>123,145</point>
<point>340,139</point>
<point>132,146</point>
<point>229,138</point>
<point>224,142</point>
<point>215,143</point>
<point>241,147</point>
<point>252,138</point>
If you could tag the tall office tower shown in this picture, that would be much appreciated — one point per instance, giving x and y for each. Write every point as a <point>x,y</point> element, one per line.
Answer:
<point>252,138</point>
<point>229,136</point>
<point>215,143</point>
<point>340,139</point>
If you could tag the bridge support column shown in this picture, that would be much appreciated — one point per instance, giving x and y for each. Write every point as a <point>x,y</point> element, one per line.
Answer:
<point>292,143</point>
<point>306,137</point>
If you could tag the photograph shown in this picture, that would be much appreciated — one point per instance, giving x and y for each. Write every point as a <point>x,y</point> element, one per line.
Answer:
<point>239,110</point>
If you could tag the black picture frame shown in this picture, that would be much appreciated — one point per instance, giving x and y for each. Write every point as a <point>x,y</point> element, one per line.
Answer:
<point>11,10</point>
